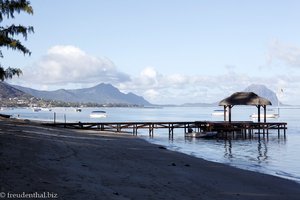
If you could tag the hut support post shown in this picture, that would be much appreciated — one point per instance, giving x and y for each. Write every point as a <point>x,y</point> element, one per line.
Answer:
<point>258,113</point>
<point>229,114</point>
<point>225,109</point>
<point>265,113</point>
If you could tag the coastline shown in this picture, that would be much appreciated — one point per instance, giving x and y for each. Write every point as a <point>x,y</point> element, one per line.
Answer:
<point>78,164</point>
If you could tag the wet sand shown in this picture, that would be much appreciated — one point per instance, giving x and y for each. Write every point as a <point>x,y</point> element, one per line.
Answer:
<point>78,164</point>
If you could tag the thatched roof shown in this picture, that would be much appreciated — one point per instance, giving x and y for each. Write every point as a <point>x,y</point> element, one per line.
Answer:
<point>244,98</point>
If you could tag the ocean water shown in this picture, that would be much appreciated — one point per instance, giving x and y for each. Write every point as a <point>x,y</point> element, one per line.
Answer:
<point>272,155</point>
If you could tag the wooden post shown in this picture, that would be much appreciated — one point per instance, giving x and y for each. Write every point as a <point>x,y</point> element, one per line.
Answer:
<point>258,113</point>
<point>151,128</point>
<point>229,114</point>
<point>225,108</point>
<point>54,117</point>
<point>65,120</point>
<point>186,128</point>
<point>265,113</point>
<point>135,129</point>
<point>171,131</point>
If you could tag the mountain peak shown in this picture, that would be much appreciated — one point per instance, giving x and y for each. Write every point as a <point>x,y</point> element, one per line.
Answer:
<point>257,86</point>
<point>263,91</point>
<point>7,91</point>
<point>103,85</point>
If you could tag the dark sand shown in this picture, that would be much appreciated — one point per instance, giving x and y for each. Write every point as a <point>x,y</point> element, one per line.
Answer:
<point>76,164</point>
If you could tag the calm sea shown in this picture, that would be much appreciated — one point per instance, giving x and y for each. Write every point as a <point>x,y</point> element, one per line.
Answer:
<point>276,156</point>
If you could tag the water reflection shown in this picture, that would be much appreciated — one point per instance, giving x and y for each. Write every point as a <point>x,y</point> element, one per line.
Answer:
<point>253,149</point>
<point>262,150</point>
<point>228,149</point>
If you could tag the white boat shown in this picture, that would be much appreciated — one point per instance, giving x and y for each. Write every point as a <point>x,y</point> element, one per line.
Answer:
<point>46,109</point>
<point>98,114</point>
<point>36,109</point>
<point>218,113</point>
<point>206,134</point>
<point>270,115</point>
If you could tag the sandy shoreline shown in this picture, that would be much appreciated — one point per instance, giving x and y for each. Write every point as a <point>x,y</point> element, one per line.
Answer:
<point>76,164</point>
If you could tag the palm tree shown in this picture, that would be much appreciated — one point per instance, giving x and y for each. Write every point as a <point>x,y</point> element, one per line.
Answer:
<point>7,10</point>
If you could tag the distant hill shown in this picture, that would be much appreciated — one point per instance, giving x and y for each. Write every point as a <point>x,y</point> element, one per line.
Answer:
<point>7,91</point>
<point>101,94</point>
<point>263,91</point>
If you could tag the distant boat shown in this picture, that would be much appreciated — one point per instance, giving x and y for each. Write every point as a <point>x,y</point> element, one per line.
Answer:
<point>46,109</point>
<point>255,116</point>
<point>36,109</point>
<point>205,134</point>
<point>98,114</point>
<point>4,115</point>
<point>271,114</point>
<point>218,113</point>
<point>78,109</point>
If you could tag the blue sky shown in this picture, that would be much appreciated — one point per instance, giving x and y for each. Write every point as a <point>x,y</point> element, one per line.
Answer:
<point>169,51</point>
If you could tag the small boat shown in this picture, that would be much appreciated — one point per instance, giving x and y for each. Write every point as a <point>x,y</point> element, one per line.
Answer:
<point>98,114</point>
<point>36,109</point>
<point>46,109</point>
<point>78,109</point>
<point>4,115</point>
<point>255,116</point>
<point>206,134</point>
<point>218,113</point>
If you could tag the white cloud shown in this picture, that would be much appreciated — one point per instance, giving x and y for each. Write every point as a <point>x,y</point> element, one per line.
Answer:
<point>179,88</point>
<point>151,95</point>
<point>178,80</point>
<point>149,76</point>
<point>288,54</point>
<point>70,65</point>
<point>149,73</point>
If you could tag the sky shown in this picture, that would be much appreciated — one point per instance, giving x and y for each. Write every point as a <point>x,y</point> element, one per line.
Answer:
<point>169,52</point>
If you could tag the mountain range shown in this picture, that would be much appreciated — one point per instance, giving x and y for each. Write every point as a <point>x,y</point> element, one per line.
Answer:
<point>7,91</point>
<point>100,94</point>
<point>108,94</point>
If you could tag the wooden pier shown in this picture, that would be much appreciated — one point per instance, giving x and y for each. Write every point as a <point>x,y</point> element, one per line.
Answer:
<point>246,128</point>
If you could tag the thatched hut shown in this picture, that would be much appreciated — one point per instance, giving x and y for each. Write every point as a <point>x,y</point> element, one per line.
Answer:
<point>244,98</point>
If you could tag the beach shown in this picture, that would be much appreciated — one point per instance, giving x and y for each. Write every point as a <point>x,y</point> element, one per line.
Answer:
<point>85,164</point>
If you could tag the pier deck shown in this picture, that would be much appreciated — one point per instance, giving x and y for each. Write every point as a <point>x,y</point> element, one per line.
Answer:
<point>243,127</point>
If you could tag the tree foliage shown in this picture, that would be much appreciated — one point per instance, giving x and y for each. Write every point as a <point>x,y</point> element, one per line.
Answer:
<point>8,8</point>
